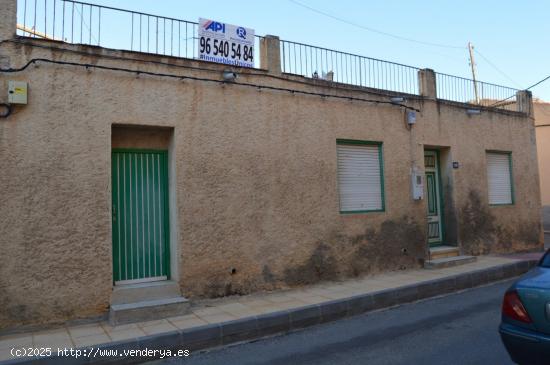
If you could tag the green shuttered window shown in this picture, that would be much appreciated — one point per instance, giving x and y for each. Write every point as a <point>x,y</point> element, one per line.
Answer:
<point>499,178</point>
<point>360,176</point>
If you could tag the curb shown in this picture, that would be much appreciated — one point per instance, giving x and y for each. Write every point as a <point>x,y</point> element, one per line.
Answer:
<point>255,327</point>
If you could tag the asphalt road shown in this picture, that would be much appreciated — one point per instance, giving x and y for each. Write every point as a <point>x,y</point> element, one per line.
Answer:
<point>456,329</point>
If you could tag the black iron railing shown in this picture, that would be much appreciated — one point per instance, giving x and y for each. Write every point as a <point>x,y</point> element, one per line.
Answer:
<point>317,62</point>
<point>467,91</point>
<point>84,23</point>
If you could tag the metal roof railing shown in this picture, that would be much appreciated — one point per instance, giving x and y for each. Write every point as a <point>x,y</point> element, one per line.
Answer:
<point>79,22</point>
<point>480,93</point>
<point>84,23</point>
<point>347,68</point>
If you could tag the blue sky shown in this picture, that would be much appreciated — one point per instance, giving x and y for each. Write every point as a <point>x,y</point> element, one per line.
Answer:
<point>513,36</point>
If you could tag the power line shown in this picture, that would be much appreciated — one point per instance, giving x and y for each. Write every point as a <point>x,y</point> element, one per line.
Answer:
<point>8,110</point>
<point>496,68</point>
<point>372,29</point>
<point>530,87</point>
<point>151,62</point>
<point>183,77</point>
<point>84,21</point>
<point>537,83</point>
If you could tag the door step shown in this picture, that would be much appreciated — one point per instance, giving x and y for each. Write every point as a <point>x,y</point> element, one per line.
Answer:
<point>147,310</point>
<point>131,293</point>
<point>443,251</point>
<point>449,262</point>
<point>146,301</point>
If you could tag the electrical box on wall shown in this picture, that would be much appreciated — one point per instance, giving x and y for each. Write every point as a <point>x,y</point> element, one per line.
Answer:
<point>411,117</point>
<point>17,92</point>
<point>417,184</point>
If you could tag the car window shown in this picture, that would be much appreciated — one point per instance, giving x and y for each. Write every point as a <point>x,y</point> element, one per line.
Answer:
<point>545,261</point>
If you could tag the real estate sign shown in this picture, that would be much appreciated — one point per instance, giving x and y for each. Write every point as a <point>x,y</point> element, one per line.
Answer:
<point>226,43</point>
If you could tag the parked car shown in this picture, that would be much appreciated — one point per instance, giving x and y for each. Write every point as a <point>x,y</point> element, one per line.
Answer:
<point>525,324</point>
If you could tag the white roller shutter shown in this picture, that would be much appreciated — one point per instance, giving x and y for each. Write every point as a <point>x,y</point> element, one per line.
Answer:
<point>498,175</point>
<point>359,177</point>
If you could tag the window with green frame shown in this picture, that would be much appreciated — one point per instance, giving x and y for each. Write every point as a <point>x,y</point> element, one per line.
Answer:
<point>500,178</point>
<point>360,176</point>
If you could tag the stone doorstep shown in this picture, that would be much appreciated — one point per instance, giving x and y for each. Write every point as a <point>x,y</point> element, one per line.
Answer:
<point>443,251</point>
<point>148,310</point>
<point>444,262</point>
<point>146,301</point>
<point>132,293</point>
<point>254,327</point>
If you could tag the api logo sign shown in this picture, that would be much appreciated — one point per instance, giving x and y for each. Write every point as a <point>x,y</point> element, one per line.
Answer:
<point>215,26</point>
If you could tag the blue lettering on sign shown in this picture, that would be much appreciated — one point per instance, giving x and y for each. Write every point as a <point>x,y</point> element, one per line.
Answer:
<point>241,32</point>
<point>215,26</point>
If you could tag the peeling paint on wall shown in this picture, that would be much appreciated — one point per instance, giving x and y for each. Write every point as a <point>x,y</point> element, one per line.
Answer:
<point>481,233</point>
<point>397,245</point>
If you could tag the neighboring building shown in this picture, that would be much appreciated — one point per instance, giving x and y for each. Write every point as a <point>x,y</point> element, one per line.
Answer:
<point>542,127</point>
<point>131,167</point>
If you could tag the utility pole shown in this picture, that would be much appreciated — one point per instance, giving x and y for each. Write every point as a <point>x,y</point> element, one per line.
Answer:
<point>473,64</point>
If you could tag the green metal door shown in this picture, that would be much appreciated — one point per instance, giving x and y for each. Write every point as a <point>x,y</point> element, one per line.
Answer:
<point>140,215</point>
<point>435,221</point>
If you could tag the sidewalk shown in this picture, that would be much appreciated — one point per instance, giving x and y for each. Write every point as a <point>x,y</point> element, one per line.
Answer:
<point>227,320</point>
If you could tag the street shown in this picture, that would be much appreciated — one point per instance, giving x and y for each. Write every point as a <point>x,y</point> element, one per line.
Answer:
<point>456,329</point>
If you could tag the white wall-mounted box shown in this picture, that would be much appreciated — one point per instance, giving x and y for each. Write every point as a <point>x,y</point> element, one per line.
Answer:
<point>17,92</point>
<point>417,184</point>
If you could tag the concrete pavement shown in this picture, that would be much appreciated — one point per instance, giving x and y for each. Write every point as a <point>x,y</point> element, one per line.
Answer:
<point>228,320</point>
<point>455,329</point>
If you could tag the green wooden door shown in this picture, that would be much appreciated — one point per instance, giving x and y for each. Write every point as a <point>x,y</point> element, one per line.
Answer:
<point>140,215</point>
<point>433,201</point>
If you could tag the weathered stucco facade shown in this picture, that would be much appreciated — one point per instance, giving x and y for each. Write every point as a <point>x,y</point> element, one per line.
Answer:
<point>542,127</point>
<point>252,173</point>
<point>542,124</point>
